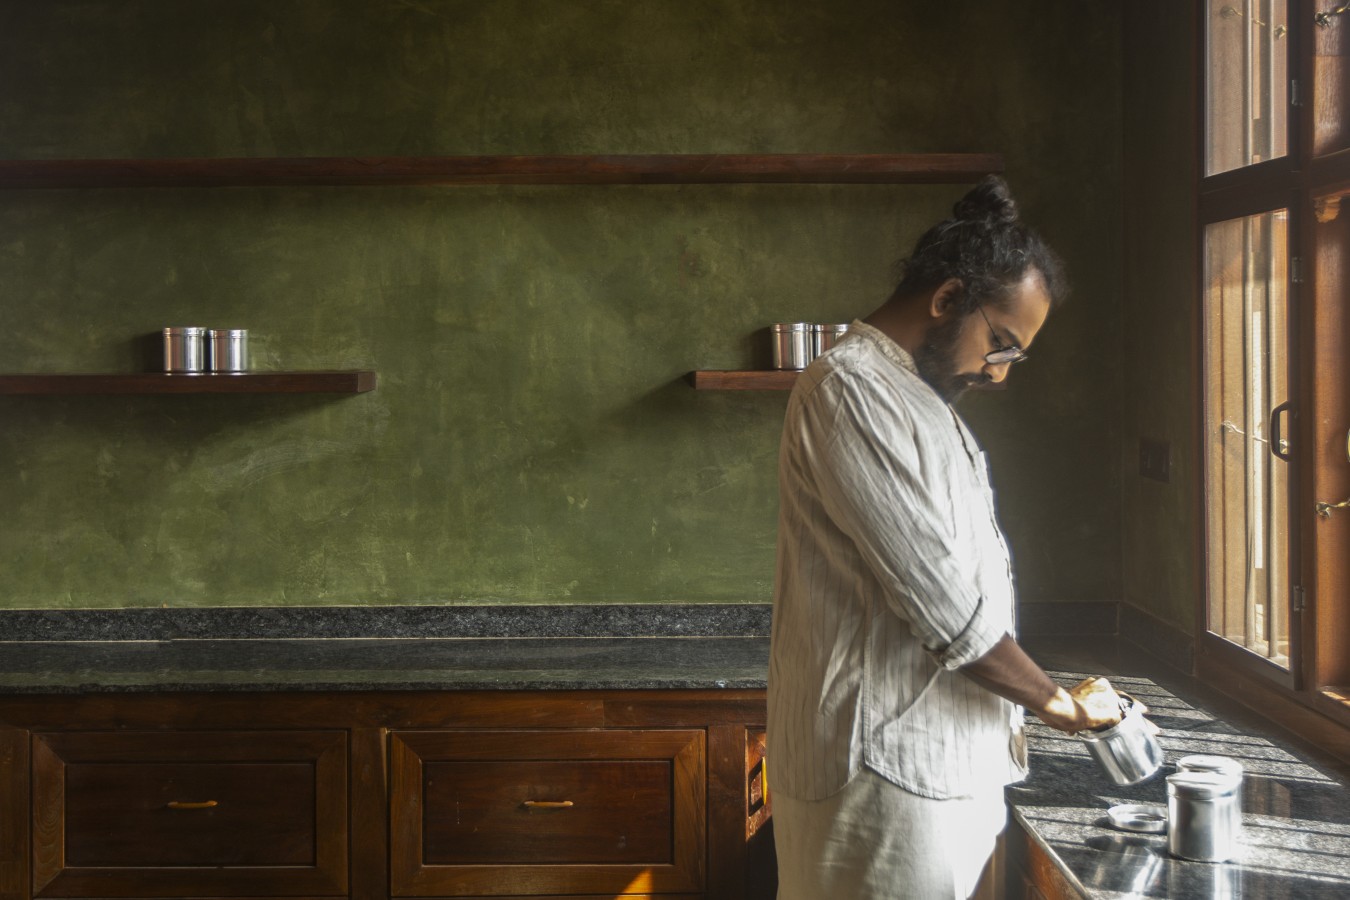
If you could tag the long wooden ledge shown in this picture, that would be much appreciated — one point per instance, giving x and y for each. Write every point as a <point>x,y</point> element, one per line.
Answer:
<point>900,168</point>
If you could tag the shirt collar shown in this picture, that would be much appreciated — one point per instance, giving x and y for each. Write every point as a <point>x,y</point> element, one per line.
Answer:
<point>901,357</point>
<point>889,348</point>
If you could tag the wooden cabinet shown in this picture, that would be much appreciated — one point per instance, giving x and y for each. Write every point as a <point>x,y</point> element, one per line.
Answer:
<point>530,812</point>
<point>189,814</point>
<point>379,795</point>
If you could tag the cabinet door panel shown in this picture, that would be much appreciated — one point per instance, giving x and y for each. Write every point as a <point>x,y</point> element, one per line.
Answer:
<point>529,812</point>
<point>595,811</point>
<point>160,814</point>
<point>182,813</point>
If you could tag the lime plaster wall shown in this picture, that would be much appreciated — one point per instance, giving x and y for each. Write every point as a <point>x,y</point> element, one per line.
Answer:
<point>531,439</point>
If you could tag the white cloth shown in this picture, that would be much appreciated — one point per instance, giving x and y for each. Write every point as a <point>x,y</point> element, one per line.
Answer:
<point>891,574</point>
<point>874,840</point>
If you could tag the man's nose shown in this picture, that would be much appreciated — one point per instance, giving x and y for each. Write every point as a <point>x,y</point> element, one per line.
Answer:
<point>997,372</point>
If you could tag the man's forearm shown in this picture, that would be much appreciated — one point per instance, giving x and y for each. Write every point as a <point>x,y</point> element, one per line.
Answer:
<point>1007,671</point>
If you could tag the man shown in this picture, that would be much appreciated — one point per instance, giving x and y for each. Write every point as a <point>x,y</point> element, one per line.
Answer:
<point>894,678</point>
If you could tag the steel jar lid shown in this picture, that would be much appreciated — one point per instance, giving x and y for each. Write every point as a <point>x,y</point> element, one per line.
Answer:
<point>1204,762</point>
<point>1202,785</point>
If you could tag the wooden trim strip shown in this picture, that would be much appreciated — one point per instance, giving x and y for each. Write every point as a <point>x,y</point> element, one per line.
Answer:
<point>369,786</point>
<point>1288,709</point>
<point>251,711</point>
<point>1330,173</point>
<point>15,785</point>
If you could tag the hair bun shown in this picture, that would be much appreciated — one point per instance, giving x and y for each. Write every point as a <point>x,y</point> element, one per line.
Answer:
<point>989,202</point>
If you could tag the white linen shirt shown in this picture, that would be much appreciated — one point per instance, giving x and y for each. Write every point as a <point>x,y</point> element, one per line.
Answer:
<point>892,573</point>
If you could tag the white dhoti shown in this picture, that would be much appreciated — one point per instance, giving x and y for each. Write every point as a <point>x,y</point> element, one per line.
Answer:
<point>874,840</point>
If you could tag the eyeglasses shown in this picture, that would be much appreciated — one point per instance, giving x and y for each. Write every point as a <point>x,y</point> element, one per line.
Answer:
<point>1002,353</point>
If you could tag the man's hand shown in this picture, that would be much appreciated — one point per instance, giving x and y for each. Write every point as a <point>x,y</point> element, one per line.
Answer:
<point>1009,672</point>
<point>1090,704</point>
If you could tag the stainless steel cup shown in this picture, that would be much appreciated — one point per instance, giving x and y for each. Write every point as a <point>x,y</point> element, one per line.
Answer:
<point>1128,752</point>
<point>228,349</point>
<point>791,345</point>
<point>825,336</point>
<point>185,350</point>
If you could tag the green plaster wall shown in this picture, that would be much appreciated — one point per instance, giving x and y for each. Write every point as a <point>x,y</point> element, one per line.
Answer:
<point>531,439</point>
<point>1161,521</point>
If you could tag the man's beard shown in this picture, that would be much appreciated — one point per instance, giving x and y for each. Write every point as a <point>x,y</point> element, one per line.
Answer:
<point>936,361</point>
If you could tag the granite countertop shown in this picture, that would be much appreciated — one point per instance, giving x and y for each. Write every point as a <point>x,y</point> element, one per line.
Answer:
<point>1296,817</point>
<point>525,664</point>
<point>611,647</point>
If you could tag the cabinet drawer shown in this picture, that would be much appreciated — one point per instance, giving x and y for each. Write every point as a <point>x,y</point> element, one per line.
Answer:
<point>528,812</point>
<point>189,813</point>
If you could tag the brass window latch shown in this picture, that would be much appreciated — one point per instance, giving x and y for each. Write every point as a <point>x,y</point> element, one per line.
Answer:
<point>1324,508</point>
<point>1323,19</point>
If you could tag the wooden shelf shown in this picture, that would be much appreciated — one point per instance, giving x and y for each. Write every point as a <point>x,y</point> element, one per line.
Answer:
<point>772,380</point>
<point>347,381</point>
<point>743,380</point>
<point>894,168</point>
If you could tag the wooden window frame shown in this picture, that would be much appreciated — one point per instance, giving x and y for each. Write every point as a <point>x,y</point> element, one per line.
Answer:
<point>1312,698</point>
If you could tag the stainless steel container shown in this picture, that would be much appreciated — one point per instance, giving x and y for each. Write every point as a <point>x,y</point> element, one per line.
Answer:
<point>1223,765</point>
<point>1204,820</point>
<point>1127,752</point>
<point>1204,762</point>
<point>791,345</point>
<point>825,336</point>
<point>228,349</point>
<point>185,350</point>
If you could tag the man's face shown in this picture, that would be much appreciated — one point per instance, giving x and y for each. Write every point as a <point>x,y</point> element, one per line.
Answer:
<point>952,356</point>
<point>936,360</point>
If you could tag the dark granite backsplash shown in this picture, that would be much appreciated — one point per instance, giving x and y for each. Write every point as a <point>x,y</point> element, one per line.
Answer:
<point>351,622</point>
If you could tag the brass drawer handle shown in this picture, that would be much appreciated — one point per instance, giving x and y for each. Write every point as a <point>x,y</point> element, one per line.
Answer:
<point>183,804</point>
<point>548,804</point>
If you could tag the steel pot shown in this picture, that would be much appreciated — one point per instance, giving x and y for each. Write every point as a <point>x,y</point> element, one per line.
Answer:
<point>1128,752</point>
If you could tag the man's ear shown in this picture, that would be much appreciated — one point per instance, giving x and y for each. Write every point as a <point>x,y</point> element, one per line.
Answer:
<point>945,297</point>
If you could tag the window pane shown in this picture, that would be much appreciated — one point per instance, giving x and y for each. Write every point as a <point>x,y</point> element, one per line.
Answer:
<point>1246,366</point>
<point>1247,83</point>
